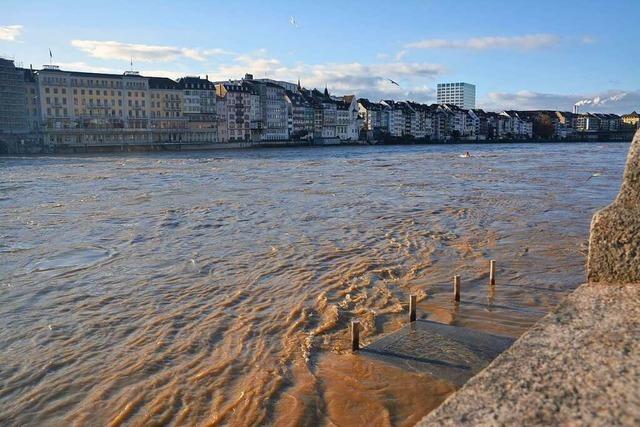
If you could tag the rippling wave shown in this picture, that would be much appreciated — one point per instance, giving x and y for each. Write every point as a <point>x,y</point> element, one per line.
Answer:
<point>216,288</point>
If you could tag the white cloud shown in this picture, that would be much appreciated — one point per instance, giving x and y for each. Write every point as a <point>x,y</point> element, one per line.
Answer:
<point>367,80</point>
<point>83,66</point>
<point>606,102</point>
<point>400,55</point>
<point>10,32</point>
<point>165,73</point>
<point>141,52</point>
<point>525,42</point>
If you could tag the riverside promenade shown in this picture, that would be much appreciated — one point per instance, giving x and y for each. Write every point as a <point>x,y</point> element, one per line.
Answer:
<point>579,365</point>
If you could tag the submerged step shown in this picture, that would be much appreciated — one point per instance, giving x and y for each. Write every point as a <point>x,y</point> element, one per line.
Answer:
<point>443,351</point>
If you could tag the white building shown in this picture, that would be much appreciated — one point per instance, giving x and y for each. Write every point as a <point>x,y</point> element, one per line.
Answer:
<point>347,127</point>
<point>396,118</point>
<point>462,95</point>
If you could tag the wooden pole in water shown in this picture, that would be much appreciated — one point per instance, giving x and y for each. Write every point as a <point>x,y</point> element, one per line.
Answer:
<point>412,308</point>
<point>456,288</point>
<point>492,272</point>
<point>355,335</point>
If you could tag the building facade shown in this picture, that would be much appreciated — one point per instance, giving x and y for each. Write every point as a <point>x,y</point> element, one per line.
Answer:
<point>631,120</point>
<point>200,108</point>
<point>460,94</point>
<point>235,120</point>
<point>273,109</point>
<point>302,115</point>
<point>13,109</point>
<point>166,121</point>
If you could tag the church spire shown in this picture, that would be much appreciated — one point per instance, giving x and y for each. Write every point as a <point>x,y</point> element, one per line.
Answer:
<point>326,91</point>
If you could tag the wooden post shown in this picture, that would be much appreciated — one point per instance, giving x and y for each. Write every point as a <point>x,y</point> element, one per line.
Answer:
<point>412,308</point>
<point>456,288</point>
<point>492,272</point>
<point>355,335</point>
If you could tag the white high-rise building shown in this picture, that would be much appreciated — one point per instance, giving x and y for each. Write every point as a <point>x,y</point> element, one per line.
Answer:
<point>462,95</point>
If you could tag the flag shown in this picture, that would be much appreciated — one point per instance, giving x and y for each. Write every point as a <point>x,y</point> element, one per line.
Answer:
<point>50,54</point>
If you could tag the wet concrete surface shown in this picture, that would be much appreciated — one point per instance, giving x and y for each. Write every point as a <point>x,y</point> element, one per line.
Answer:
<point>580,365</point>
<point>445,352</point>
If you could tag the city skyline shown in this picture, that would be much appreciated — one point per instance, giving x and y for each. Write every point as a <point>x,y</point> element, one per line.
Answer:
<point>530,63</point>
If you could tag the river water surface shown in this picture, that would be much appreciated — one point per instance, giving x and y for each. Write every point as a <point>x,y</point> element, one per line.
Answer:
<point>216,288</point>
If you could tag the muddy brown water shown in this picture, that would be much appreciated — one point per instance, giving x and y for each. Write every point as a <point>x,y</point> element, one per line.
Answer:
<point>216,288</point>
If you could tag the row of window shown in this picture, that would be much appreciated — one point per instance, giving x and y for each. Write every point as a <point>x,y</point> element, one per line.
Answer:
<point>63,91</point>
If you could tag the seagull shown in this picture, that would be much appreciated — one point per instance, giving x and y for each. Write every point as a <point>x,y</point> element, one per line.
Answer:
<point>594,175</point>
<point>393,82</point>
<point>293,21</point>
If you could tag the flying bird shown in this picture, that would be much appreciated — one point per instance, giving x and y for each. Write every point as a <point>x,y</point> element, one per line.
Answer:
<point>594,175</point>
<point>293,21</point>
<point>393,82</point>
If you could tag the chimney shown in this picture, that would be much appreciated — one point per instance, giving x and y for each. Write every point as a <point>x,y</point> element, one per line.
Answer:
<point>206,77</point>
<point>248,76</point>
<point>575,109</point>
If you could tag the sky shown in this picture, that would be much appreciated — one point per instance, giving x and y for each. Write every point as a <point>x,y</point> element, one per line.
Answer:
<point>519,54</point>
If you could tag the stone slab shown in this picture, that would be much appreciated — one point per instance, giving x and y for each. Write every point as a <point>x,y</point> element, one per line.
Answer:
<point>580,365</point>
<point>446,352</point>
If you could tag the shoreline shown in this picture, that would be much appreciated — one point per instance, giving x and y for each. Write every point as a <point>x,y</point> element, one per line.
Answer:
<point>163,148</point>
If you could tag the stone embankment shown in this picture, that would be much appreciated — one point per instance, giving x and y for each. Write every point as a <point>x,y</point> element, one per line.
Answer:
<point>580,365</point>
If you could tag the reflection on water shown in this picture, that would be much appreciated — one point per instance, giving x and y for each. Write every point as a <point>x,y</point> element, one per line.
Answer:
<point>216,288</point>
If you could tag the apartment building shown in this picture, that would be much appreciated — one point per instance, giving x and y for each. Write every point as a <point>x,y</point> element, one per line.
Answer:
<point>347,124</point>
<point>396,120</point>
<point>462,95</point>
<point>200,108</point>
<point>235,120</point>
<point>166,103</point>
<point>273,108</point>
<point>302,113</point>
<point>13,109</point>
<point>631,119</point>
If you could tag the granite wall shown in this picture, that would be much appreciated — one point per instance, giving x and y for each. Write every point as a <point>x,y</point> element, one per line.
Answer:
<point>614,243</point>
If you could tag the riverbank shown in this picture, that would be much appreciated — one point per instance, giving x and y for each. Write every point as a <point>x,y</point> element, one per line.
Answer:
<point>155,148</point>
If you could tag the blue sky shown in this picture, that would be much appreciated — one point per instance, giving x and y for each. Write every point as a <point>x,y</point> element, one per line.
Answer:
<point>520,54</point>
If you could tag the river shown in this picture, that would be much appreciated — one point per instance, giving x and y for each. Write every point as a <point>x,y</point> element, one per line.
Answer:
<point>216,288</point>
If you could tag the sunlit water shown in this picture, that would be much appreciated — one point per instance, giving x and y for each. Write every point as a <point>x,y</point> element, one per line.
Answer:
<point>217,287</point>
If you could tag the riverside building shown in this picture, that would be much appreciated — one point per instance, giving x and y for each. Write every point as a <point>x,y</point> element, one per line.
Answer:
<point>235,118</point>
<point>460,94</point>
<point>13,110</point>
